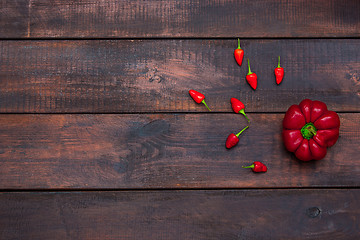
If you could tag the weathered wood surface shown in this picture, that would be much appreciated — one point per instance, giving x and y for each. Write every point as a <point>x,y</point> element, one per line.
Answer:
<point>164,151</point>
<point>14,18</point>
<point>155,75</point>
<point>146,70</point>
<point>241,214</point>
<point>179,18</point>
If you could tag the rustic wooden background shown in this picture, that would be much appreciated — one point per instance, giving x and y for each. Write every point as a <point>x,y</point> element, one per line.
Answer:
<point>99,138</point>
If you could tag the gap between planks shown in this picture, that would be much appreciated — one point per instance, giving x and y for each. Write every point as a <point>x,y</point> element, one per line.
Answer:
<point>166,38</point>
<point>173,189</point>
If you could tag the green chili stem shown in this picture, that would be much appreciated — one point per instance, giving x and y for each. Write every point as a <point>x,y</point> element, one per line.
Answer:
<point>279,62</point>
<point>239,43</point>
<point>249,68</point>
<point>243,113</point>
<point>242,131</point>
<point>203,101</point>
<point>251,166</point>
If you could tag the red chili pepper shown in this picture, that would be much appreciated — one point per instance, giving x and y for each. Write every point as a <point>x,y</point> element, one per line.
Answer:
<point>309,128</point>
<point>257,167</point>
<point>239,54</point>
<point>279,73</point>
<point>233,139</point>
<point>198,98</point>
<point>251,78</point>
<point>238,107</point>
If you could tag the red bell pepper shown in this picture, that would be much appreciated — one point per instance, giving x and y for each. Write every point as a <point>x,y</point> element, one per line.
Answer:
<point>309,128</point>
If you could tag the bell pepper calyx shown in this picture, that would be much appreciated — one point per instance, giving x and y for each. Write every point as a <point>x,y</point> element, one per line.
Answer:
<point>308,131</point>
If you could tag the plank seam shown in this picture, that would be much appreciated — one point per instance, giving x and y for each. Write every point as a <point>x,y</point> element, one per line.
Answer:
<point>168,38</point>
<point>144,113</point>
<point>175,189</point>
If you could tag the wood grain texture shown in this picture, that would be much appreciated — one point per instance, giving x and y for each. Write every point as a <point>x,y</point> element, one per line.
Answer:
<point>182,18</point>
<point>14,19</point>
<point>241,214</point>
<point>155,76</point>
<point>164,151</point>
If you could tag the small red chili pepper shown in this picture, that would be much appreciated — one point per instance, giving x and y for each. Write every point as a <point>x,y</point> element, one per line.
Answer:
<point>257,167</point>
<point>198,98</point>
<point>239,54</point>
<point>279,73</point>
<point>238,107</point>
<point>233,139</point>
<point>251,78</point>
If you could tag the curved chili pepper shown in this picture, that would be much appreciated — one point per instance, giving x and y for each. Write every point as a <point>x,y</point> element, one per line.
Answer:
<point>279,73</point>
<point>198,98</point>
<point>309,128</point>
<point>238,107</point>
<point>251,78</point>
<point>233,139</point>
<point>239,54</point>
<point>257,167</point>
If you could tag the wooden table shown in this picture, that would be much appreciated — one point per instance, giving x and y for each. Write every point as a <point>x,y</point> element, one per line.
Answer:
<point>99,138</point>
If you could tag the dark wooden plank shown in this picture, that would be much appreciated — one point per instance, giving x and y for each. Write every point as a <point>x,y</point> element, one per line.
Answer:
<point>14,19</point>
<point>183,18</point>
<point>241,214</point>
<point>164,151</point>
<point>155,76</point>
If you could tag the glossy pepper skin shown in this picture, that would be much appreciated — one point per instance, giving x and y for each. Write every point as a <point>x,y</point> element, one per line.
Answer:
<point>279,73</point>
<point>198,98</point>
<point>309,128</point>
<point>233,139</point>
<point>257,167</point>
<point>238,107</point>
<point>251,78</point>
<point>239,54</point>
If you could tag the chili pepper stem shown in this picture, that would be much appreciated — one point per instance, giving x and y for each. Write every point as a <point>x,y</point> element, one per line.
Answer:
<point>203,101</point>
<point>279,63</point>
<point>249,68</point>
<point>239,43</point>
<point>242,131</point>
<point>243,113</point>
<point>251,166</point>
